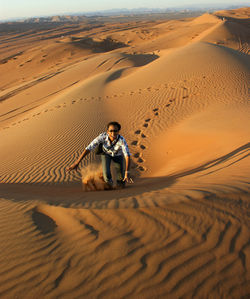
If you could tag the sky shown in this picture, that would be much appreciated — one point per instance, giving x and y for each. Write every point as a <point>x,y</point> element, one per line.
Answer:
<point>30,8</point>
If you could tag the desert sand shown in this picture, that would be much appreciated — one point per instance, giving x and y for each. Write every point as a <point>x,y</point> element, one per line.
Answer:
<point>179,88</point>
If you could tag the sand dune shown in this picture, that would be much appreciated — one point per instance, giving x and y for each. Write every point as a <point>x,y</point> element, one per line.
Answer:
<point>180,90</point>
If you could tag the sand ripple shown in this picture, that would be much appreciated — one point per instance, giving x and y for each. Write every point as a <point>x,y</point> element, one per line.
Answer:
<point>185,249</point>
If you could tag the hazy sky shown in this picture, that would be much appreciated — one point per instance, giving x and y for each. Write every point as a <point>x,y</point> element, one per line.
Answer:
<point>29,8</point>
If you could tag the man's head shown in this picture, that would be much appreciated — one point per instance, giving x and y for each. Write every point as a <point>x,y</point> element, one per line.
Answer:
<point>113,129</point>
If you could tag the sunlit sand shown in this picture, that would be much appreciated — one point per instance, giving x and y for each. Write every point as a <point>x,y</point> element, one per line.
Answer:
<point>179,88</point>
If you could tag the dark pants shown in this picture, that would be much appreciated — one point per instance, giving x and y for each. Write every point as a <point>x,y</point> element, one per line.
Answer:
<point>118,163</point>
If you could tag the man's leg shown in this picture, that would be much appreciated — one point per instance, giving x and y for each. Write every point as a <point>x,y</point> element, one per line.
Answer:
<point>118,163</point>
<point>106,160</point>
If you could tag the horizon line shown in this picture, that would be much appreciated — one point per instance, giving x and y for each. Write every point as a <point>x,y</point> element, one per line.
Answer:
<point>115,11</point>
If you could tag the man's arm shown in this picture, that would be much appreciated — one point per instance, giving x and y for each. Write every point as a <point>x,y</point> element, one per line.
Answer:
<point>88,149</point>
<point>126,154</point>
<point>75,165</point>
<point>127,160</point>
<point>127,177</point>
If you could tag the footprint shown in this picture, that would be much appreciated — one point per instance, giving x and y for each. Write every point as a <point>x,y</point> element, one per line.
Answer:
<point>156,114</point>
<point>140,160</point>
<point>167,105</point>
<point>137,155</point>
<point>142,146</point>
<point>138,132</point>
<point>147,120</point>
<point>145,125</point>
<point>143,136</point>
<point>156,109</point>
<point>141,168</point>
<point>135,142</point>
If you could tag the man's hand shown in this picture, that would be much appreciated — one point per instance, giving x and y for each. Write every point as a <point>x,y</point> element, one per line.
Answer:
<point>127,178</point>
<point>72,167</point>
<point>75,165</point>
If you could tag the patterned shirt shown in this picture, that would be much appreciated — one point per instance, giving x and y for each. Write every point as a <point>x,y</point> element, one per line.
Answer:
<point>115,148</point>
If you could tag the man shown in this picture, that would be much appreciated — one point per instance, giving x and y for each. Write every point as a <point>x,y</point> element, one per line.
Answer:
<point>114,148</point>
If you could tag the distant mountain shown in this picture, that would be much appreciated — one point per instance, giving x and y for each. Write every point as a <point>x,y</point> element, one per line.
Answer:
<point>55,19</point>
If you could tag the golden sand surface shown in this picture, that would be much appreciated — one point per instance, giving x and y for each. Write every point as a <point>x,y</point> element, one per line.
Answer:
<point>179,88</point>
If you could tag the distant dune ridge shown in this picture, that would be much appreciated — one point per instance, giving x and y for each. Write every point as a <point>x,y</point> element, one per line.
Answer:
<point>180,90</point>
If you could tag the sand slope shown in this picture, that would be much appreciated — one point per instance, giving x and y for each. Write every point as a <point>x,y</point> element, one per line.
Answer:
<point>180,90</point>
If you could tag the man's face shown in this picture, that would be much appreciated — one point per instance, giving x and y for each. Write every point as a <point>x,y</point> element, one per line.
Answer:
<point>113,132</point>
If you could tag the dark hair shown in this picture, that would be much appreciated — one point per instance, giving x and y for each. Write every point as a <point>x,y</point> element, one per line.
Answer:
<point>114,123</point>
